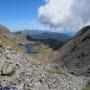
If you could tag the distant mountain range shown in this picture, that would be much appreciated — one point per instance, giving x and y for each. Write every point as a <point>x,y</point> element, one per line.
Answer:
<point>71,61</point>
<point>52,39</point>
<point>40,32</point>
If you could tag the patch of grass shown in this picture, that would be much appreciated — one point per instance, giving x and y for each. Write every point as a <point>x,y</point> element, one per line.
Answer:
<point>45,54</point>
<point>87,87</point>
<point>10,41</point>
<point>41,48</point>
<point>52,71</point>
<point>6,38</point>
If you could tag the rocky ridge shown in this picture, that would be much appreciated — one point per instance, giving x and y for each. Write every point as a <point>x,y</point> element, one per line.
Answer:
<point>75,55</point>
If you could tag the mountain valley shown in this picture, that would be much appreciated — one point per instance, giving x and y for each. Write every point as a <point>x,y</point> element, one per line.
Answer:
<point>64,68</point>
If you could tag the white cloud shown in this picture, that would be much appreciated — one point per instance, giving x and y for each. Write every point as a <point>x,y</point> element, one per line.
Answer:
<point>55,11</point>
<point>70,14</point>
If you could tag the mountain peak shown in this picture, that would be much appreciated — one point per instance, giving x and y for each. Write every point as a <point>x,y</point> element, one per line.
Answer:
<point>82,31</point>
<point>4,29</point>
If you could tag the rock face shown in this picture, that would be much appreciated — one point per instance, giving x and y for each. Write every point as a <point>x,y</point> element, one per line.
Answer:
<point>18,70</point>
<point>75,55</point>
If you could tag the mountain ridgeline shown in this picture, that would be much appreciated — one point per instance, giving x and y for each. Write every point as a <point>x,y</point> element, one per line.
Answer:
<point>5,35</point>
<point>68,69</point>
<point>52,39</point>
<point>75,55</point>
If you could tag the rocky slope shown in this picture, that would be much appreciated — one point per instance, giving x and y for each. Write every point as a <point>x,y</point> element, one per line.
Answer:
<point>3,29</point>
<point>75,55</point>
<point>6,37</point>
<point>20,72</point>
<point>4,33</point>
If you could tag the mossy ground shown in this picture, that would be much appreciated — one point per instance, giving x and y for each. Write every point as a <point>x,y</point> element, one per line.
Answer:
<point>87,87</point>
<point>45,53</point>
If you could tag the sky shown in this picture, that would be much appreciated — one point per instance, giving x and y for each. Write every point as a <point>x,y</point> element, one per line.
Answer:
<point>54,15</point>
<point>16,13</point>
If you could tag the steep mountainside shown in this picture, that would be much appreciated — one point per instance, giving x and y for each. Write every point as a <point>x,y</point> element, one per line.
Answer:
<point>19,71</point>
<point>55,35</point>
<point>4,29</point>
<point>75,55</point>
<point>6,37</point>
<point>4,32</point>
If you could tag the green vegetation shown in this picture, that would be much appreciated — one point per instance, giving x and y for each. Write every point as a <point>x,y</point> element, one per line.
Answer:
<point>87,87</point>
<point>4,29</point>
<point>45,53</point>
<point>52,71</point>
<point>7,39</point>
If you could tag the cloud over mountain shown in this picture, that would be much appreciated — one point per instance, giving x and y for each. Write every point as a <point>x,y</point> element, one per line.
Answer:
<point>71,14</point>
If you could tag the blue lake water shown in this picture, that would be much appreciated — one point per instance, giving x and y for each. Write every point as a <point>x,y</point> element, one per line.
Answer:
<point>29,48</point>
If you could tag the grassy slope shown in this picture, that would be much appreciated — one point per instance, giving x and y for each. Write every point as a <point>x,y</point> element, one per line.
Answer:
<point>7,39</point>
<point>87,88</point>
<point>45,53</point>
